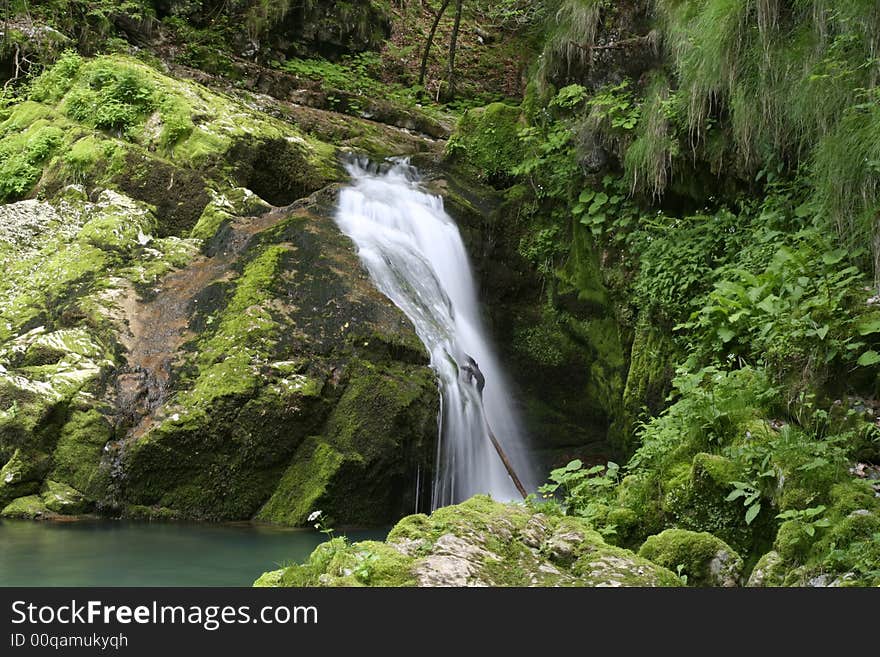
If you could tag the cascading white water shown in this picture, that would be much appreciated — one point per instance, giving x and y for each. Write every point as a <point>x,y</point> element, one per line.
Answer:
<point>415,256</point>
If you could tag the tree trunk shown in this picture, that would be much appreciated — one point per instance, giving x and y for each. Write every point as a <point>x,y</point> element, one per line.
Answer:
<point>453,45</point>
<point>430,42</point>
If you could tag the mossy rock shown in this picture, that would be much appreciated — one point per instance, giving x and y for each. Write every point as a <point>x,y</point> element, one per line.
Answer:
<point>792,542</point>
<point>480,542</point>
<point>22,475</point>
<point>649,379</point>
<point>359,471</point>
<point>30,507</point>
<point>77,456</point>
<point>62,499</point>
<point>487,140</point>
<point>705,559</point>
<point>697,498</point>
<point>769,571</point>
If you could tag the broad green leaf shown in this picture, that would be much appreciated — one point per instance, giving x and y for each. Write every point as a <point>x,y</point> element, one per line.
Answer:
<point>726,334</point>
<point>753,512</point>
<point>870,326</point>
<point>822,332</point>
<point>586,196</point>
<point>739,492</point>
<point>833,257</point>
<point>869,358</point>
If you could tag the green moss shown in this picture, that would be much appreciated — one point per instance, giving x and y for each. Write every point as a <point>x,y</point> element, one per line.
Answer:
<point>304,485</point>
<point>649,379</point>
<point>487,139</point>
<point>338,563</point>
<point>705,559</point>
<point>698,502</point>
<point>480,542</point>
<point>27,508</point>
<point>378,427</point>
<point>793,542</point>
<point>22,475</point>
<point>770,570</point>
<point>118,224</point>
<point>77,456</point>
<point>84,156</point>
<point>61,498</point>
<point>151,513</point>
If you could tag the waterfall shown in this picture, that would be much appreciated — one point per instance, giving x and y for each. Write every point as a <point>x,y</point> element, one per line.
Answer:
<point>414,254</point>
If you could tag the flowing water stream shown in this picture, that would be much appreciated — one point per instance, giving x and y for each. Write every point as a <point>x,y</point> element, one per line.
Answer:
<point>415,255</point>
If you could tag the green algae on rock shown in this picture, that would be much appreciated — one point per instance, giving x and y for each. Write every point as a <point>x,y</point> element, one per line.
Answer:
<point>480,542</point>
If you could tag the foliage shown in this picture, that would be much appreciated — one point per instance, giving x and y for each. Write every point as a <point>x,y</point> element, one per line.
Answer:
<point>792,83</point>
<point>751,498</point>
<point>810,519</point>
<point>578,484</point>
<point>678,258</point>
<point>488,140</point>
<point>711,408</point>
<point>800,313</point>
<point>115,97</point>
<point>583,491</point>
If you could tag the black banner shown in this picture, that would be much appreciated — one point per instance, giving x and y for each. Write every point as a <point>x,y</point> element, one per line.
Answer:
<point>285,621</point>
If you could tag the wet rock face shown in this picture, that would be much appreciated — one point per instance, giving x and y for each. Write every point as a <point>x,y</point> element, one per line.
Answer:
<point>184,332</point>
<point>478,543</point>
<point>264,376</point>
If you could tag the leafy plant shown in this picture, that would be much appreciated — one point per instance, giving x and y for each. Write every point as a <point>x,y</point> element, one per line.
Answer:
<point>751,498</point>
<point>578,486</point>
<point>615,107</point>
<point>809,519</point>
<point>796,313</point>
<point>322,523</point>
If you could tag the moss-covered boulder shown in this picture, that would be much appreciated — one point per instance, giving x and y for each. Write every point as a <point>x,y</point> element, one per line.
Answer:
<point>487,141</point>
<point>62,499</point>
<point>768,572</point>
<point>478,543</point>
<point>30,507</point>
<point>697,496</point>
<point>22,475</point>
<point>703,558</point>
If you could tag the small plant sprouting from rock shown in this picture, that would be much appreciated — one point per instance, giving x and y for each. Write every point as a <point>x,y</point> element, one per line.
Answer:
<point>321,523</point>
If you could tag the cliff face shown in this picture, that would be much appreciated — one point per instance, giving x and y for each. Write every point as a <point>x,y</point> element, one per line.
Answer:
<point>184,330</point>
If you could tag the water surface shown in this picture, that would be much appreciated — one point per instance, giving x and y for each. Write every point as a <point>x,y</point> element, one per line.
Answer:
<point>124,553</point>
